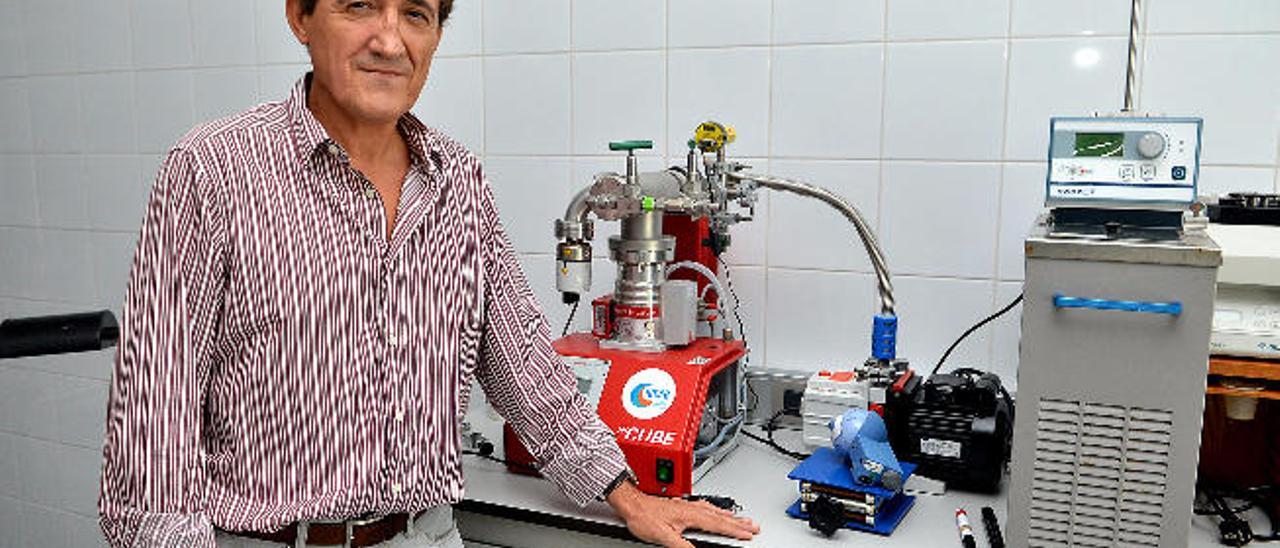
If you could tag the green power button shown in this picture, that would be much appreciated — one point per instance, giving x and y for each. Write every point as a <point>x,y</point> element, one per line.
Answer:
<point>665,471</point>
<point>647,203</point>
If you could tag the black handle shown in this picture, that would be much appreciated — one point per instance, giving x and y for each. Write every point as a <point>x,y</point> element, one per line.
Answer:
<point>60,334</point>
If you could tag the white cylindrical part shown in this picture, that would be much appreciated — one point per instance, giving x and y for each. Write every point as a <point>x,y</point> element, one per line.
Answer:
<point>1241,405</point>
<point>573,276</point>
<point>679,312</point>
<point>1241,408</point>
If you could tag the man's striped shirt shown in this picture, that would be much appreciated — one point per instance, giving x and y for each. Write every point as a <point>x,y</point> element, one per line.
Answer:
<point>282,359</point>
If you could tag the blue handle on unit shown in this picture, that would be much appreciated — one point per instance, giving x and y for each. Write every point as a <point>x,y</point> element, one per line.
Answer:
<point>1172,309</point>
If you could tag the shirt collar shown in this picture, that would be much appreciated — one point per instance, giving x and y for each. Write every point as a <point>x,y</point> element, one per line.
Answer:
<point>311,138</point>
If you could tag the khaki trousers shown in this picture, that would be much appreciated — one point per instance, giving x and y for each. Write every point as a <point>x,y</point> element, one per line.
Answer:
<point>434,529</point>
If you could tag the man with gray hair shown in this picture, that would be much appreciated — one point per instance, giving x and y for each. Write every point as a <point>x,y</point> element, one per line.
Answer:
<point>317,283</point>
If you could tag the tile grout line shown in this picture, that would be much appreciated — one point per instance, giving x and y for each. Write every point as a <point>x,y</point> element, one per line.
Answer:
<point>666,82</point>
<point>484,90</point>
<point>768,206</point>
<point>143,154</point>
<point>880,160</point>
<point>1002,179</point>
<point>48,441</point>
<point>573,106</point>
<point>54,509</point>
<point>255,65</point>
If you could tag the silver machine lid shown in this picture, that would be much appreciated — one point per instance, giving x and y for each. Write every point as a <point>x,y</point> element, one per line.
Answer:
<point>1192,247</point>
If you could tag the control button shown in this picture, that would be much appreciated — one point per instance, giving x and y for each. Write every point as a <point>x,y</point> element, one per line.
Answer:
<point>1148,172</point>
<point>666,471</point>
<point>1179,173</point>
<point>1151,145</point>
<point>1126,172</point>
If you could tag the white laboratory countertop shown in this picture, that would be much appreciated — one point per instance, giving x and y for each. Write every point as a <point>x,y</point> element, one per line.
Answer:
<point>755,476</point>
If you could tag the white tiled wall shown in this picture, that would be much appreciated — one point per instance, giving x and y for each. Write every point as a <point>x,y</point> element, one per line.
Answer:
<point>930,116</point>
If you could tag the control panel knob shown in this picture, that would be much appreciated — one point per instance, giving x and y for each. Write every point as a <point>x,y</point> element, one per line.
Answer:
<point>1151,145</point>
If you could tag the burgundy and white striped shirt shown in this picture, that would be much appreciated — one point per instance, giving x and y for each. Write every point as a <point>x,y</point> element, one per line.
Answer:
<point>281,359</point>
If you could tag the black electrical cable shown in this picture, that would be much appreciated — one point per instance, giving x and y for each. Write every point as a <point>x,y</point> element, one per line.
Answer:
<point>569,322</point>
<point>719,501</point>
<point>728,279</point>
<point>769,429</point>
<point>742,334</point>
<point>502,461</point>
<point>1234,530</point>
<point>970,331</point>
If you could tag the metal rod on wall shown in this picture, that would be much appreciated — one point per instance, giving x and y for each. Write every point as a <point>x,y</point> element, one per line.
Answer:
<point>1131,72</point>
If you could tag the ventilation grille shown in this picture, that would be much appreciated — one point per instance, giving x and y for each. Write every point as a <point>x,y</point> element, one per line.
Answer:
<point>1100,474</point>
<point>937,421</point>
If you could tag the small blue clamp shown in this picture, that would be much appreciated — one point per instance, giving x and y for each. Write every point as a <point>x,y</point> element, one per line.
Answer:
<point>884,337</point>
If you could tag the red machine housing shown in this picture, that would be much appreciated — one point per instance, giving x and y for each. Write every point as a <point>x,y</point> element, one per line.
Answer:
<point>659,449</point>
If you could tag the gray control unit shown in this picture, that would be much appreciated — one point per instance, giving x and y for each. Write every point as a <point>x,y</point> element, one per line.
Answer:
<point>1111,387</point>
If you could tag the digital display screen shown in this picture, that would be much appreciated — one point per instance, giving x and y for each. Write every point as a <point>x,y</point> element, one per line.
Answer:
<point>1099,145</point>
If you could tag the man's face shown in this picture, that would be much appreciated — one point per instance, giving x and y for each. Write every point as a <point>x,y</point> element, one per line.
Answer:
<point>372,56</point>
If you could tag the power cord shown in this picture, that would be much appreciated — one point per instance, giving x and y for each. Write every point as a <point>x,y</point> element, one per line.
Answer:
<point>970,331</point>
<point>742,330</point>
<point>742,334</point>
<point>1234,530</point>
<point>769,428</point>
<point>721,502</point>
<point>484,449</point>
<point>489,457</point>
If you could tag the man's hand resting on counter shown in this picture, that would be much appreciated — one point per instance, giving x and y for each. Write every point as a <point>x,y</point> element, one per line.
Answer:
<point>663,521</point>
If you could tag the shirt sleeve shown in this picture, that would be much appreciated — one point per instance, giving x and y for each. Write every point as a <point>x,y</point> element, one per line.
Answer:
<point>527,381</point>
<point>153,475</point>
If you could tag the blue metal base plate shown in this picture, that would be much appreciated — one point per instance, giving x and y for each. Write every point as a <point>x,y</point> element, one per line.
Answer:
<point>827,467</point>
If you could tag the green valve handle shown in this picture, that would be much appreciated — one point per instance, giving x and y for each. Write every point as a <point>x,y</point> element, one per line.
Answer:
<point>630,145</point>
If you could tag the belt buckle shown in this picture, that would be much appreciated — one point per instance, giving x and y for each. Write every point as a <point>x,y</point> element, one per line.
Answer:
<point>351,525</point>
<point>300,539</point>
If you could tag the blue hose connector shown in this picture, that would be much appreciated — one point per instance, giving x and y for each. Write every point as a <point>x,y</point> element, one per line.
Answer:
<point>884,337</point>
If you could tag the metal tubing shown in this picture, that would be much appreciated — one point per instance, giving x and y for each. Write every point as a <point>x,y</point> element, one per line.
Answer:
<point>1131,71</point>
<point>851,213</point>
<point>578,210</point>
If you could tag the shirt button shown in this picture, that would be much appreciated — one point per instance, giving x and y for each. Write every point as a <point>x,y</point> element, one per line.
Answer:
<point>399,415</point>
<point>333,149</point>
<point>395,488</point>
<point>370,193</point>
<point>393,341</point>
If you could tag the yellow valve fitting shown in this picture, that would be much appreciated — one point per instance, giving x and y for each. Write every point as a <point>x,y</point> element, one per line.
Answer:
<point>711,136</point>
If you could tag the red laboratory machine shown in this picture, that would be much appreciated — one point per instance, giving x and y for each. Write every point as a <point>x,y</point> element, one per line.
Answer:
<point>662,364</point>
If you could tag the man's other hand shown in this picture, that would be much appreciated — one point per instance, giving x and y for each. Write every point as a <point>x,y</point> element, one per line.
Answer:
<point>663,521</point>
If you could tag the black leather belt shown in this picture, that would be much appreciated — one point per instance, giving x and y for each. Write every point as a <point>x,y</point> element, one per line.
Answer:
<point>352,533</point>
